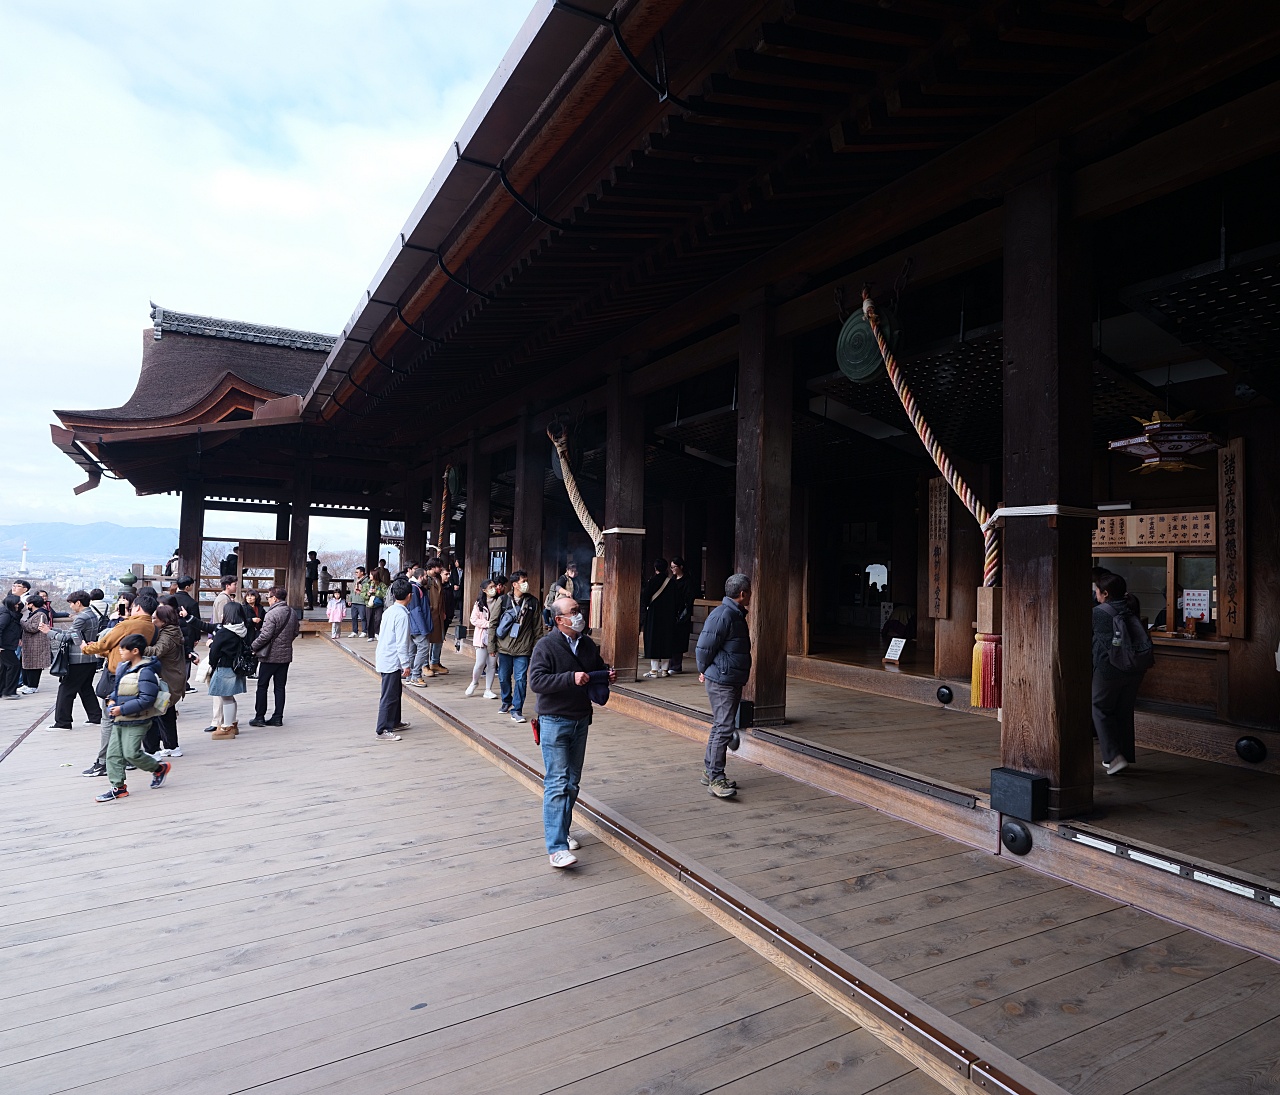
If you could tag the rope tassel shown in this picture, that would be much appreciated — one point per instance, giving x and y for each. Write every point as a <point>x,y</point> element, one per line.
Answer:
<point>985,682</point>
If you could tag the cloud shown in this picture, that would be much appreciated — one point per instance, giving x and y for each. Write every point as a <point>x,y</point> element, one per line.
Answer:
<point>249,161</point>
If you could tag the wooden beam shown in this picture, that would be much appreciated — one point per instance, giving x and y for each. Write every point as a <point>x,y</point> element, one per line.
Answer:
<point>414,540</point>
<point>623,509</point>
<point>373,539</point>
<point>764,503</point>
<point>1243,130</point>
<point>475,567</point>
<point>300,528</point>
<point>1047,667</point>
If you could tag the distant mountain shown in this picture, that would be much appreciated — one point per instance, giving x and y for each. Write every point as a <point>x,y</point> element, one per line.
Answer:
<point>59,542</point>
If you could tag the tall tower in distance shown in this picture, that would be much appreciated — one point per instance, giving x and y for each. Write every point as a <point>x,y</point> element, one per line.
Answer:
<point>23,569</point>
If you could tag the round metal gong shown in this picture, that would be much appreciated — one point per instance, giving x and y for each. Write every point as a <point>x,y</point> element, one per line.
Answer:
<point>857,352</point>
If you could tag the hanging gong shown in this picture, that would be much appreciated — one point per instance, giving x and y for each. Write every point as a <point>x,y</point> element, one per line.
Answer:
<point>451,480</point>
<point>857,352</point>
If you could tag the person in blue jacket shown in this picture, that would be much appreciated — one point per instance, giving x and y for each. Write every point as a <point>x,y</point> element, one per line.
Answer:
<point>131,706</point>
<point>724,665</point>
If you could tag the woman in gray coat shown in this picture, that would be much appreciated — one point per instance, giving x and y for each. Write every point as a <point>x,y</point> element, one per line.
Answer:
<point>37,653</point>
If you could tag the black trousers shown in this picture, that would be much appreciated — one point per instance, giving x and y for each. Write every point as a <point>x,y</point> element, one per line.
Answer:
<point>1113,698</point>
<point>31,677</point>
<point>389,710</point>
<point>269,673</point>
<point>311,592</point>
<point>164,728</point>
<point>10,672</point>
<point>77,682</point>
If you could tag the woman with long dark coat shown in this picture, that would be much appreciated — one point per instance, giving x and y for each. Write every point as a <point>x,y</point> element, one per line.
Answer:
<point>685,593</point>
<point>169,648</point>
<point>37,651</point>
<point>658,603</point>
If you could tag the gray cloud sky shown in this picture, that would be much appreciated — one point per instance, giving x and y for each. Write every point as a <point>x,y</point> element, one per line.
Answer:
<point>250,161</point>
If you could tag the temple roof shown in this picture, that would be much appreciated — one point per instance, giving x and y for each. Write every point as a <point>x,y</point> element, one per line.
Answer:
<point>203,368</point>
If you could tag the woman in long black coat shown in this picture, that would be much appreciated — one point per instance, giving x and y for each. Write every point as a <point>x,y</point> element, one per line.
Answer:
<point>685,593</point>
<point>659,604</point>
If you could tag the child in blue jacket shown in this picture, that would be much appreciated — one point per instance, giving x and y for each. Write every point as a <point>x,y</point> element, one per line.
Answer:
<point>130,705</point>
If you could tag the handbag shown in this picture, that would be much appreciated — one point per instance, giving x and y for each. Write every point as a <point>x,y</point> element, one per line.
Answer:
<point>61,662</point>
<point>245,664</point>
<point>105,683</point>
<point>203,672</point>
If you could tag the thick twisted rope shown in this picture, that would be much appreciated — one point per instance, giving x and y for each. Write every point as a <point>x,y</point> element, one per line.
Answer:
<point>990,538</point>
<point>561,441</point>
<point>444,506</point>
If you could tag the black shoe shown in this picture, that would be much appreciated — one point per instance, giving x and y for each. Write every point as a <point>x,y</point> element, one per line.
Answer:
<point>505,708</point>
<point>95,769</point>
<point>257,720</point>
<point>210,729</point>
<point>113,793</point>
<point>93,722</point>
<point>275,722</point>
<point>59,726</point>
<point>158,778</point>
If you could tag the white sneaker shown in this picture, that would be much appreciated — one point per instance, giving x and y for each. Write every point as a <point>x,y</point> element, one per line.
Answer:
<point>516,716</point>
<point>563,859</point>
<point>1116,766</point>
<point>471,689</point>
<point>369,640</point>
<point>23,690</point>
<point>489,695</point>
<point>176,751</point>
<point>160,754</point>
<point>387,736</point>
<point>573,845</point>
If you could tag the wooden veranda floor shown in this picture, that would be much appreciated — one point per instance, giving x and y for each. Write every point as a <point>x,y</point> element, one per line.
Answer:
<point>1213,812</point>
<point>1089,993</point>
<point>307,909</point>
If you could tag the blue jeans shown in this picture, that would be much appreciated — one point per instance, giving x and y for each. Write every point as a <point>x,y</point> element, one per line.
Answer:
<point>564,748</point>
<point>433,653</point>
<point>513,690</point>
<point>359,619</point>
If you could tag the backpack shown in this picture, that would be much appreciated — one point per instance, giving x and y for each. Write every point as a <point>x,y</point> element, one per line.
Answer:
<point>1131,650</point>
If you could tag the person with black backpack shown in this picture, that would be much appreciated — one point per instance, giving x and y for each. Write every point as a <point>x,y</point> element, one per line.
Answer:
<point>1122,653</point>
<point>78,679</point>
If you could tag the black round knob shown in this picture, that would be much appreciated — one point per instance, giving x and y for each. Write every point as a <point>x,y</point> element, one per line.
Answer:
<point>945,695</point>
<point>1251,749</point>
<point>1016,836</point>
<point>734,741</point>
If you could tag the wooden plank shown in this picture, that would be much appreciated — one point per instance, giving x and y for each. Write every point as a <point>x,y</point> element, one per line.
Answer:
<point>1249,1061</point>
<point>623,509</point>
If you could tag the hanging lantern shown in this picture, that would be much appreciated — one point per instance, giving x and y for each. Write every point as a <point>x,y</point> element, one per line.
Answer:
<point>1166,442</point>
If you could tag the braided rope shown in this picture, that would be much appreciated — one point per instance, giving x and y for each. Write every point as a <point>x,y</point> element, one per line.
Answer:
<point>561,442</point>
<point>990,538</point>
<point>444,506</point>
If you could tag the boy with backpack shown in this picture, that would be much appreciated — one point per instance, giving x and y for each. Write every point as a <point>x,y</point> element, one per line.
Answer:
<point>1122,653</point>
<point>138,697</point>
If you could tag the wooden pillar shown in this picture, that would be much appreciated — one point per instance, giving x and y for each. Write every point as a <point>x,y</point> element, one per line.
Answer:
<point>1047,373</point>
<point>720,530</point>
<point>299,530</point>
<point>475,565</point>
<point>623,523</point>
<point>695,537</point>
<point>372,540</point>
<point>953,634</point>
<point>672,528</point>
<point>191,530</point>
<point>281,576</point>
<point>414,540</point>
<point>526,515</point>
<point>764,503</point>
<point>797,558</point>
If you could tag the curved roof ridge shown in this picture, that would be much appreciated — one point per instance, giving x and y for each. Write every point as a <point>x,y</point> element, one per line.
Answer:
<point>187,323</point>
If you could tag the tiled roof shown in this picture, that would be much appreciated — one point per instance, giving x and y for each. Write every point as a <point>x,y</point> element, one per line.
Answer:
<point>165,319</point>
<point>185,358</point>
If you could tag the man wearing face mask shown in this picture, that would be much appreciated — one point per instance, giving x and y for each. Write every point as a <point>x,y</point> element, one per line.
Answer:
<point>565,666</point>
<point>514,628</point>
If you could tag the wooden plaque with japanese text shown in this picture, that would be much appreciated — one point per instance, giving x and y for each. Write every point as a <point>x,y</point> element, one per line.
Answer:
<point>939,544</point>
<point>1233,597</point>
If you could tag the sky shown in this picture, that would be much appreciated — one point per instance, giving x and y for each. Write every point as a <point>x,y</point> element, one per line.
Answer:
<point>249,161</point>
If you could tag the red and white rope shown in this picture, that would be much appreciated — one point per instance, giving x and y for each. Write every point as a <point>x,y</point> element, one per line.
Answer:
<point>990,537</point>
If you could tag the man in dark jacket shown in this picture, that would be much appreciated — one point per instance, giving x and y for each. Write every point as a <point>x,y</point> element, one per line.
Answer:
<point>560,670</point>
<point>78,680</point>
<point>724,665</point>
<point>131,707</point>
<point>274,647</point>
<point>523,626</point>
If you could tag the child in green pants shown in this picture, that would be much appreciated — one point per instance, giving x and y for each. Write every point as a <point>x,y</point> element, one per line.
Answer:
<point>131,705</point>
